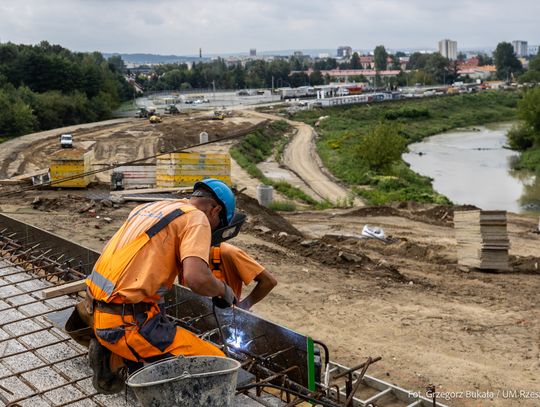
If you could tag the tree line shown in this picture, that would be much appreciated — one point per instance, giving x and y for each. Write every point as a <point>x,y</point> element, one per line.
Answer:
<point>47,86</point>
<point>424,68</point>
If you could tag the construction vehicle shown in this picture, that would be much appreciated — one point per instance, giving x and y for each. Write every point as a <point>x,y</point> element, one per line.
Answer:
<point>154,119</point>
<point>172,110</point>
<point>66,141</point>
<point>218,115</point>
<point>146,112</point>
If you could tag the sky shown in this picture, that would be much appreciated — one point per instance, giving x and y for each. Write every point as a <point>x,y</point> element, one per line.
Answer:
<point>181,27</point>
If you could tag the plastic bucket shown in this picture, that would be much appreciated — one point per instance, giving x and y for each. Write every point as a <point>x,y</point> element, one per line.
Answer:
<point>186,381</point>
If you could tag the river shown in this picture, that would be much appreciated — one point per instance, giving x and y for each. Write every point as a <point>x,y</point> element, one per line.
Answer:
<point>471,166</point>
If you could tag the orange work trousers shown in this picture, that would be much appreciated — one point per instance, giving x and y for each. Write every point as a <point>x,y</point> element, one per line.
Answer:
<point>148,337</point>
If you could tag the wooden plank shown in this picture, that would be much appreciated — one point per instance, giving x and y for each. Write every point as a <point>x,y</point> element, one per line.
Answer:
<point>64,289</point>
<point>29,175</point>
<point>13,181</point>
<point>147,199</point>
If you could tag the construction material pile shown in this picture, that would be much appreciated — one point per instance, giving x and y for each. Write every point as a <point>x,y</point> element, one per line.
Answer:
<point>482,239</point>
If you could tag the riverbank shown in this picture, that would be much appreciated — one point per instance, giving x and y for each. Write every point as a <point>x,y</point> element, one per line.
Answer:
<point>465,163</point>
<point>342,129</point>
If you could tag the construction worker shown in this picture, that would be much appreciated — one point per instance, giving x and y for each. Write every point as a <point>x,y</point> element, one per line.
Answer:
<point>158,242</point>
<point>236,268</point>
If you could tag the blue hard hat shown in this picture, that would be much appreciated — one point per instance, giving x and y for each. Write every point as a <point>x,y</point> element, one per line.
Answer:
<point>223,195</point>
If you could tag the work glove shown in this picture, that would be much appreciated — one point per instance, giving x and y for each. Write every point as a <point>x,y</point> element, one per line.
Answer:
<point>227,300</point>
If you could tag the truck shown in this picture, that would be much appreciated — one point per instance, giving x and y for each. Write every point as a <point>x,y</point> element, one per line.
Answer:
<point>146,111</point>
<point>66,141</point>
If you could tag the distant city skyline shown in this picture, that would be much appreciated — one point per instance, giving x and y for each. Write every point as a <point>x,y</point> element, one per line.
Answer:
<point>181,27</point>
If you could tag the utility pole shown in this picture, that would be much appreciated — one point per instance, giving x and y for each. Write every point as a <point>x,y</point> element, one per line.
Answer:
<point>214,88</point>
<point>272,83</point>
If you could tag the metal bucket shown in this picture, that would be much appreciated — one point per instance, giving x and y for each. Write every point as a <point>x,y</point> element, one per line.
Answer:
<point>265,194</point>
<point>186,381</point>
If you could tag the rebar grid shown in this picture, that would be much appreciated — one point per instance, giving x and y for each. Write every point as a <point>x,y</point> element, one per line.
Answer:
<point>25,271</point>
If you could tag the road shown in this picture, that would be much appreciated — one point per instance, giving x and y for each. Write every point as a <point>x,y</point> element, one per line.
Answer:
<point>301,157</point>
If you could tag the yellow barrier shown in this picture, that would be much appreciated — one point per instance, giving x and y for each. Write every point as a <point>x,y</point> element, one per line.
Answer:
<point>184,169</point>
<point>70,162</point>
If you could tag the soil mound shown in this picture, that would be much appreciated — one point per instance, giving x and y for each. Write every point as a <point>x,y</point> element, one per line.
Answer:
<point>381,210</point>
<point>440,215</point>
<point>261,216</point>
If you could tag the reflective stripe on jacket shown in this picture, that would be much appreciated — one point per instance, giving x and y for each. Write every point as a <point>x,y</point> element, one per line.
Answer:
<point>113,262</point>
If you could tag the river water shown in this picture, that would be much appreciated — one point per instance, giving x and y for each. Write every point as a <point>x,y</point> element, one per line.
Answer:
<point>470,166</point>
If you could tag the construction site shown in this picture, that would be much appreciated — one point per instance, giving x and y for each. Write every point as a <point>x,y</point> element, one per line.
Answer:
<point>400,319</point>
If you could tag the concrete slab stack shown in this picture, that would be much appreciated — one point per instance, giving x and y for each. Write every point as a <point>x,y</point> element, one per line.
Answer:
<point>482,239</point>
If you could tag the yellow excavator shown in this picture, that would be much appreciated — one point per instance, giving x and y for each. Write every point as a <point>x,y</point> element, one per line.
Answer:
<point>155,119</point>
<point>218,115</point>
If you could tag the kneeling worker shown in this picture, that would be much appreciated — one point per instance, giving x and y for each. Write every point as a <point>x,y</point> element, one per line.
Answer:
<point>157,243</point>
<point>236,268</point>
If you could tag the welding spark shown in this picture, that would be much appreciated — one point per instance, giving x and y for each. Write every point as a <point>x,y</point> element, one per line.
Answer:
<point>236,339</point>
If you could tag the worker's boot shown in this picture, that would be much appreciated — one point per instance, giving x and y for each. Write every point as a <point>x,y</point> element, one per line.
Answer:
<point>105,380</point>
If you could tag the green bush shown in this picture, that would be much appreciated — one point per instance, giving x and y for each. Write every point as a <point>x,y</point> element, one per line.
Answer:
<point>381,147</point>
<point>529,160</point>
<point>520,137</point>
<point>406,113</point>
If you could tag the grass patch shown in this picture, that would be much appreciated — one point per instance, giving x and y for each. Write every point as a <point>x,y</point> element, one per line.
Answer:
<point>340,136</point>
<point>256,147</point>
<point>529,160</point>
<point>285,206</point>
<point>127,106</point>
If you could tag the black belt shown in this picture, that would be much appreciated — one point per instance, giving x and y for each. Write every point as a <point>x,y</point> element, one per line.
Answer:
<point>123,309</point>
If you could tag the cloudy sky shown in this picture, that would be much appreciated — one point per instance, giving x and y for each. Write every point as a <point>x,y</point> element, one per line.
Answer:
<point>224,26</point>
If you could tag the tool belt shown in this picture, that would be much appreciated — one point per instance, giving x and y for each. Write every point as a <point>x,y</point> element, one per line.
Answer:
<point>122,309</point>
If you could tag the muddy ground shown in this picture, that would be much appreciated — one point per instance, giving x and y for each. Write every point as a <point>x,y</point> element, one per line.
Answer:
<point>403,299</point>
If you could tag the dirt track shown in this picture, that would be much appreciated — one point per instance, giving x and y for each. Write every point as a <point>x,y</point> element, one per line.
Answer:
<point>405,300</point>
<point>300,156</point>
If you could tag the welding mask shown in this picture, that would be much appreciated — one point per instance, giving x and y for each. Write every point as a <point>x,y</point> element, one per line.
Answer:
<point>228,232</point>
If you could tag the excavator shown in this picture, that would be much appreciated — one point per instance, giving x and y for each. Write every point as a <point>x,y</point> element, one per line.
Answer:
<point>154,119</point>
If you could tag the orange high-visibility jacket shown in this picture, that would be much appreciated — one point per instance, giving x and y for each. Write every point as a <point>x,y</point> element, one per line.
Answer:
<point>151,258</point>
<point>233,266</point>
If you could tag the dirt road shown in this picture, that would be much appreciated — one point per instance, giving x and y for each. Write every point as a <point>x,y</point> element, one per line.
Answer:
<point>13,151</point>
<point>301,157</point>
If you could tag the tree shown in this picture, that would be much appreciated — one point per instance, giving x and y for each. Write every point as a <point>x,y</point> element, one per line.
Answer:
<point>355,61</point>
<point>534,64</point>
<point>396,65</point>
<point>116,64</point>
<point>17,117</point>
<point>422,77</point>
<point>506,61</point>
<point>380,56</point>
<point>529,111</point>
<point>381,146</point>
<point>437,66</point>
<point>417,61</point>
<point>461,56</point>
<point>298,79</point>
<point>316,78</point>
<point>484,59</point>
